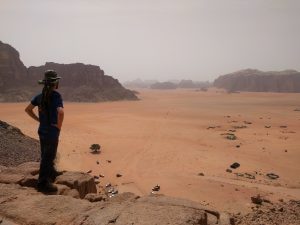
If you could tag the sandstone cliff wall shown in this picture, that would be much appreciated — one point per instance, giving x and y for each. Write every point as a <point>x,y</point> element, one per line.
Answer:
<point>12,70</point>
<point>258,81</point>
<point>80,82</point>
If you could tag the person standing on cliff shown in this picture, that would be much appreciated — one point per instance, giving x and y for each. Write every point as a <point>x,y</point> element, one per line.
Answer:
<point>50,117</point>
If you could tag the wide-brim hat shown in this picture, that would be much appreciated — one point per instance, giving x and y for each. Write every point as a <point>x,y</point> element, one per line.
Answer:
<point>50,77</point>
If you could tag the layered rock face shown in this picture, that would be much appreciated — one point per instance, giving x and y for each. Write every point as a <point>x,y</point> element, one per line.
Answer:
<point>80,83</point>
<point>258,81</point>
<point>83,83</point>
<point>12,70</point>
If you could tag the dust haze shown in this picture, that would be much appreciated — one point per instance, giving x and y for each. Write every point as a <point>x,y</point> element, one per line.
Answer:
<point>161,40</point>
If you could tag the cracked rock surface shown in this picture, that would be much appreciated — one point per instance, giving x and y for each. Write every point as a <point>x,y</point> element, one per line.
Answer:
<point>20,203</point>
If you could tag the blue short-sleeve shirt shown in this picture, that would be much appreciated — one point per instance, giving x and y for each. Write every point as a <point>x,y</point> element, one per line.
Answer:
<point>47,119</point>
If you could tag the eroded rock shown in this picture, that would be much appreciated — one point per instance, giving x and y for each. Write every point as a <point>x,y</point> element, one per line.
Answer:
<point>82,182</point>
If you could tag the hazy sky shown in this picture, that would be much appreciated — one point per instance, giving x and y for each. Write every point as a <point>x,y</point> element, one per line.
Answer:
<point>156,39</point>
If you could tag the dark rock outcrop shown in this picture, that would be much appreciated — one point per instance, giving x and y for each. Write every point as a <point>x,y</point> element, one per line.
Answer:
<point>258,81</point>
<point>15,147</point>
<point>80,83</point>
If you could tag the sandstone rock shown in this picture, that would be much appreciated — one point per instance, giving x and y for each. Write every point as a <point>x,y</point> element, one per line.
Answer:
<point>84,83</point>
<point>80,82</point>
<point>95,197</point>
<point>32,168</point>
<point>65,190</point>
<point>130,209</point>
<point>12,70</point>
<point>258,81</point>
<point>5,221</point>
<point>22,174</point>
<point>82,182</point>
<point>26,206</point>
<point>8,177</point>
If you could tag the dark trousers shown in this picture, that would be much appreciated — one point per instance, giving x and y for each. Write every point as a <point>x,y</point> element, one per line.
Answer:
<point>48,154</point>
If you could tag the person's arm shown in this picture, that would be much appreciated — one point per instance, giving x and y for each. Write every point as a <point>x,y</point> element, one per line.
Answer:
<point>60,117</point>
<point>29,111</point>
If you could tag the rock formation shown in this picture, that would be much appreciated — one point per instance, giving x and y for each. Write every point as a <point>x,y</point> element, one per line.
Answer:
<point>84,83</point>
<point>164,85</point>
<point>77,202</point>
<point>15,147</point>
<point>138,83</point>
<point>258,81</point>
<point>12,70</point>
<point>193,84</point>
<point>171,84</point>
<point>80,82</point>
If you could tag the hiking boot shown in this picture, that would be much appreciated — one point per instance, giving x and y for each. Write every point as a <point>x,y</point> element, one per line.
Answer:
<point>46,187</point>
<point>55,174</point>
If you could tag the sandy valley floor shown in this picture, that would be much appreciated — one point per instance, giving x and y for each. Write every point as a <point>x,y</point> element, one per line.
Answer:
<point>164,139</point>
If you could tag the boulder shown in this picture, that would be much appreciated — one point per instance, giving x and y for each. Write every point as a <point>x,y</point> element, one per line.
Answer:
<point>82,182</point>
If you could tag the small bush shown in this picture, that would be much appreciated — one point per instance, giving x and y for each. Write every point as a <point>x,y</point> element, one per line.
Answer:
<point>95,148</point>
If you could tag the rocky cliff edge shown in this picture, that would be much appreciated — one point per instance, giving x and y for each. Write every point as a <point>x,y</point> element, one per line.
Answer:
<point>78,201</point>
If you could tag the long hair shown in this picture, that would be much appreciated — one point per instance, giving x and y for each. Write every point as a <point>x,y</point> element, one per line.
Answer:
<point>46,101</point>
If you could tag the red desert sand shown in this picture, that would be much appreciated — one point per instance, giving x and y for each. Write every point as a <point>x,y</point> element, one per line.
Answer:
<point>171,137</point>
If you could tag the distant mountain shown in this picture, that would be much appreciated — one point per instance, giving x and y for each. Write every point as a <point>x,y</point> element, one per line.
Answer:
<point>258,81</point>
<point>193,84</point>
<point>138,83</point>
<point>170,84</point>
<point>163,85</point>
<point>80,82</point>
